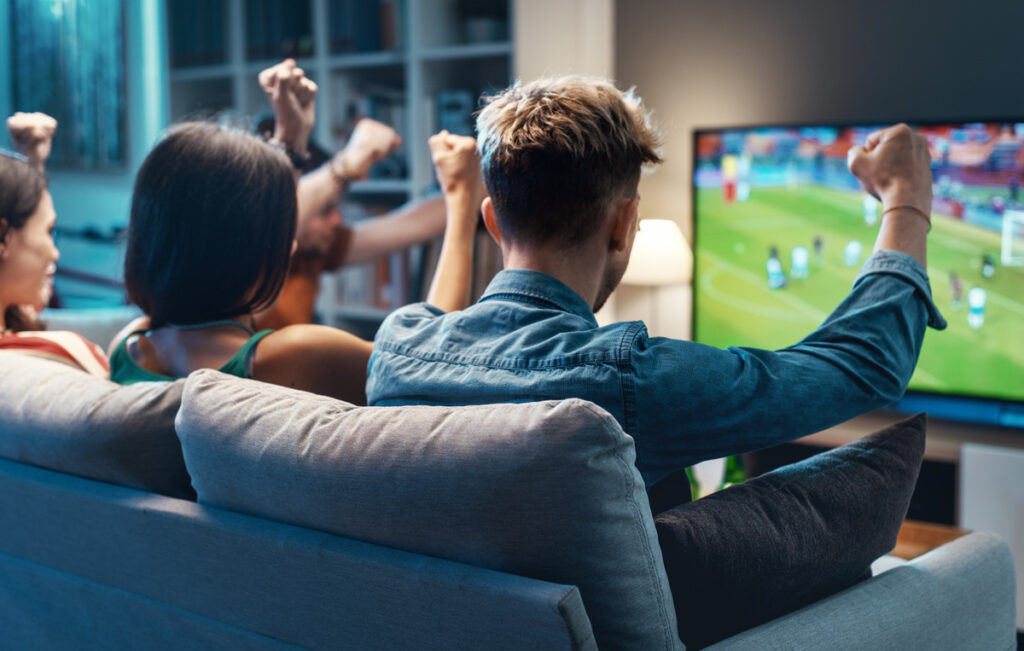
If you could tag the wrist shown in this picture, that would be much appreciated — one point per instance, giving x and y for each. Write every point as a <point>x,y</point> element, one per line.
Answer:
<point>299,157</point>
<point>292,139</point>
<point>340,172</point>
<point>910,212</point>
<point>355,161</point>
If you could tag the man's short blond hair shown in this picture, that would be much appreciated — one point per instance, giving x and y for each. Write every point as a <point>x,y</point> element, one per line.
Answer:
<point>557,151</point>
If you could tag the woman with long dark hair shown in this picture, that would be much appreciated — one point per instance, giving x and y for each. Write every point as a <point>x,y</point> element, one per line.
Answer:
<point>28,255</point>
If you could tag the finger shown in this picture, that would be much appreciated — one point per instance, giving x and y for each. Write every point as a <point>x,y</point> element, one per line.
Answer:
<point>874,139</point>
<point>268,77</point>
<point>855,159</point>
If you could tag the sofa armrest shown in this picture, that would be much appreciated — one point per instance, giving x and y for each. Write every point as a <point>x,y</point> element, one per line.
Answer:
<point>958,596</point>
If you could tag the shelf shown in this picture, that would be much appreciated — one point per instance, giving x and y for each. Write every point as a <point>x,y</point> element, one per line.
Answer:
<point>254,67</point>
<point>367,60</point>
<point>380,186</point>
<point>203,73</point>
<point>470,51</point>
<point>360,312</point>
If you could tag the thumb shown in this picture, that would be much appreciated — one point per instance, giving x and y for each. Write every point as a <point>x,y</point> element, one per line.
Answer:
<point>856,160</point>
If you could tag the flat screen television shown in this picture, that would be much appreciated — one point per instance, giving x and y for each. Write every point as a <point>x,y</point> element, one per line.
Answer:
<point>781,228</point>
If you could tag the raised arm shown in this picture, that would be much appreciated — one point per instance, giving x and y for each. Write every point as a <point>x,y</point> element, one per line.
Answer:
<point>458,171</point>
<point>293,98</point>
<point>32,135</point>
<point>409,224</point>
<point>894,167</point>
<point>320,190</point>
<point>860,358</point>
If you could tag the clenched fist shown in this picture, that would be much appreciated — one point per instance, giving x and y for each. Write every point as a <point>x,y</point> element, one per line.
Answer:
<point>32,134</point>
<point>894,166</point>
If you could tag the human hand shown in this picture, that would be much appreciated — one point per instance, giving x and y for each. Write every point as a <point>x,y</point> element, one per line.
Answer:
<point>894,166</point>
<point>293,99</point>
<point>371,142</point>
<point>457,165</point>
<point>32,134</point>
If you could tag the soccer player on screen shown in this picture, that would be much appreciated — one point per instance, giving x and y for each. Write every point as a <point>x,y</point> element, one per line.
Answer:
<point>799,259</point>
<point>976,299</point>
<point>870,210</point>
<point>988,266</point>
<point>956,288</point>
<point>776,279</point>
<point>851,253</point>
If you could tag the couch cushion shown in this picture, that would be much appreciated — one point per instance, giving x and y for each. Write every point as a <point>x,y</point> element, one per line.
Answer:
<point>546,490</point>
<point>753,552</point>
<point>58,417</point>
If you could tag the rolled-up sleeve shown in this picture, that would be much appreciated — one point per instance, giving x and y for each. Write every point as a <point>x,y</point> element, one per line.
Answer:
<point>696,402</point>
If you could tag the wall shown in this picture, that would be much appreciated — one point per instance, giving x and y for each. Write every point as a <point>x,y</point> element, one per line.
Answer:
<point>737,62</point>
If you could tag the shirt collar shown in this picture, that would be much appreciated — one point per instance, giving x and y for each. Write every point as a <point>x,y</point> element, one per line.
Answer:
<point>535,287</point>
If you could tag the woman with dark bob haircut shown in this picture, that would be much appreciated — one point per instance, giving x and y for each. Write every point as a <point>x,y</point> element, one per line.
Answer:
<point>211,230</point>
<point>28,255</point>
<point>210,234</point>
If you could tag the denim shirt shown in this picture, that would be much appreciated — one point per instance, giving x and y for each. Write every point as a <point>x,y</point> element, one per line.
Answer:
<point>531,337</point>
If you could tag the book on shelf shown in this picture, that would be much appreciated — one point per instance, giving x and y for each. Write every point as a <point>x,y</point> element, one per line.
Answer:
<point>455,111</point>
<point>198,31</point>
<point>275,29</point>
<point>381,284</point>
<point>366,25</point>
<point>382,103</point>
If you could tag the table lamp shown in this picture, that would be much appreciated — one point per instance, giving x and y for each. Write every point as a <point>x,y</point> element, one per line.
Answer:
<point>660,257</point>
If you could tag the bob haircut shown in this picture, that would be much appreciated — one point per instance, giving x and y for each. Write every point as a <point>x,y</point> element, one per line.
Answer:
<point>556,152</point>
<point>212,222</point>
<point>21,190</point>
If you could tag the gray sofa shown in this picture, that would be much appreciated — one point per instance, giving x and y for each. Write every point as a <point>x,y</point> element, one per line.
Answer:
<point>322,525</point>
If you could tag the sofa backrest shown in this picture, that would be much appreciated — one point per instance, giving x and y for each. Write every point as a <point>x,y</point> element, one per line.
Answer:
<point>55,416</point>
<point>85,564</point>
<point>545,490</point>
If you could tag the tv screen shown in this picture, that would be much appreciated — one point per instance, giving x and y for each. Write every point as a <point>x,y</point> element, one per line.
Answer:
<point>781,229</point>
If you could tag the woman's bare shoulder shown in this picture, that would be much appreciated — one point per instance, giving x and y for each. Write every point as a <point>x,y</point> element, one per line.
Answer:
<point>140,323</point>
<point>315,358</point>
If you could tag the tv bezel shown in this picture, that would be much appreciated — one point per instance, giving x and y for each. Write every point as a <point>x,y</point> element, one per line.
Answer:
<point>953,406</point>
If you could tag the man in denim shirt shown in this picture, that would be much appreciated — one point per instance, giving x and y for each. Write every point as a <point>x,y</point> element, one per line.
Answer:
<point>561,161</point>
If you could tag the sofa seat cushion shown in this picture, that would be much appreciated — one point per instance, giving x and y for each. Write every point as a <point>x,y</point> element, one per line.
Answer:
<point>58,417</point>
<point>758,550</point>
<point>545,490</point>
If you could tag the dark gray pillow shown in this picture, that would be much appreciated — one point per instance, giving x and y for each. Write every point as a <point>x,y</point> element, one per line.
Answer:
<point>753,552</point>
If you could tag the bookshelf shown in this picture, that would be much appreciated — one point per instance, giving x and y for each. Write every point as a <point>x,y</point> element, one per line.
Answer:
<point>419,65</point>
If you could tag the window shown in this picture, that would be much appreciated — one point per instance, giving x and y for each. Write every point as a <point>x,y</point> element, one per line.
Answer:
<point>67,61</point>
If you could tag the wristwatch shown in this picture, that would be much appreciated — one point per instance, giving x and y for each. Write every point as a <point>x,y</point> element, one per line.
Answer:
<point>299,161</point>
<point>339,174</point>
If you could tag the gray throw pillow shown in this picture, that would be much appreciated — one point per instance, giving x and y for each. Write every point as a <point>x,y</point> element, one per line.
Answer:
<point>58,417</point>
<point>546,490</point>
<point>753,552</point>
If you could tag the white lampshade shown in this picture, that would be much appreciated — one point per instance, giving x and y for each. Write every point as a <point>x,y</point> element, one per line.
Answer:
<point>660,255</point>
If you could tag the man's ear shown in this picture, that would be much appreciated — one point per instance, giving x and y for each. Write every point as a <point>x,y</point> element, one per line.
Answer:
<point>5,233</point>
<point>487,208</point>
<point>624,227</point>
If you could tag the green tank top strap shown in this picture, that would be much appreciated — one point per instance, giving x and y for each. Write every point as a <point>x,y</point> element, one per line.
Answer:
<point>240,364</point>
<point>124,370</point>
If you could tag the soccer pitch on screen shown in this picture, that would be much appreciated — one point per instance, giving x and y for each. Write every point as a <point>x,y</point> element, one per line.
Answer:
<point>736,306</point>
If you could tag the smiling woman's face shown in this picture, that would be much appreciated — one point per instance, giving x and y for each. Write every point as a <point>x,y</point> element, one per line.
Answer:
<point>28,259</point>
